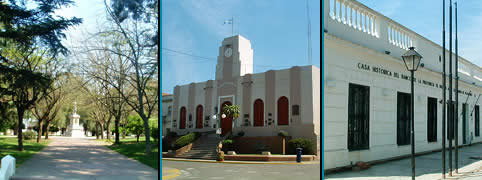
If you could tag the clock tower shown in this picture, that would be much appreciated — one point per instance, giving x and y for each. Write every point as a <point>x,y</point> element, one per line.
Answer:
<point>235,58</point>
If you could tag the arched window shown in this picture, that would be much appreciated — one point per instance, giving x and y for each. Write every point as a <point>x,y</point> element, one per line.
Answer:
<point>182,117</point>
<point>258,112</point>
<point>199,116</point>
<point>283,111</point>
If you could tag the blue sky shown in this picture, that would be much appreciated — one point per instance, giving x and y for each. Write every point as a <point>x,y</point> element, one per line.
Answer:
<point>425,18</point>
<point>277,31</point>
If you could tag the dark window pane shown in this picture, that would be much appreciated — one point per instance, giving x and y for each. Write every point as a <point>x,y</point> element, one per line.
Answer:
<point>358,117</point>
<point>432,119</point>
<point>403,118</point>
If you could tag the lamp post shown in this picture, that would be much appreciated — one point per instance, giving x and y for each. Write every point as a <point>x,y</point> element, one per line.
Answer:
<point>218,123</point>
<point>412,60</point>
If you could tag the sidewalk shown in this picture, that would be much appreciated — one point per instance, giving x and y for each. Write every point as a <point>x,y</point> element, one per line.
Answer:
<point>426,167</point>
<point>79,159</point>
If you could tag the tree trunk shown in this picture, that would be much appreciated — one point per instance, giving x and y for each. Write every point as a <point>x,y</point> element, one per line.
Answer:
<point>20,112</point>
<point>40,125</point>
<point>101,131</point>
<point>47,130</point>
<point>117,120</point>
<point>138,137</point>
<point>97,131</point>
<point>108,129</point>
<point>147,134</point>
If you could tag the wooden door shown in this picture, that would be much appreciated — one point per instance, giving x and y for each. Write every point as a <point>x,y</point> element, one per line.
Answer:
<point>226,123</point>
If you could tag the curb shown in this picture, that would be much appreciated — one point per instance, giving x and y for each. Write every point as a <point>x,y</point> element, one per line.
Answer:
<point>238,162</point>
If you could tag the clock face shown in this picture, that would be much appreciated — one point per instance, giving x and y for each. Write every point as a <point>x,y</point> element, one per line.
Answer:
<point>228,52</point>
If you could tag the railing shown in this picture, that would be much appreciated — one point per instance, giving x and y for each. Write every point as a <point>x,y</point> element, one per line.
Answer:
<point>355,22</point>
<point>399,37</point>
<point>349,13</point>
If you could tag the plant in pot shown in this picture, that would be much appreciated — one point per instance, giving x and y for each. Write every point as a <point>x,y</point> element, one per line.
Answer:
<point>283,134</point>
<point>220,156</point>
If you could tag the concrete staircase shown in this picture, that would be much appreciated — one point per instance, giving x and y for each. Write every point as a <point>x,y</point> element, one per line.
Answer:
<point>204,149</point>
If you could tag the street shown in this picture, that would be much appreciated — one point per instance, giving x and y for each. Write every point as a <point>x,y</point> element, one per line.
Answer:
<point>201,170</point>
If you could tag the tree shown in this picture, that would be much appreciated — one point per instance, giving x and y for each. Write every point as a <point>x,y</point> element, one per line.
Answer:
<point>109,70</point>
<point>26,35</point>
<point>135,126</point>
<point>140,40</point>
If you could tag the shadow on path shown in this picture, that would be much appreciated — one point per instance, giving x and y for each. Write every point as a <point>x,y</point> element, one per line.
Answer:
<point>70,158</point>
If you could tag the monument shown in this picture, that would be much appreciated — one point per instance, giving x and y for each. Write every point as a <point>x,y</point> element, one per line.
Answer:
<point>74,129</point>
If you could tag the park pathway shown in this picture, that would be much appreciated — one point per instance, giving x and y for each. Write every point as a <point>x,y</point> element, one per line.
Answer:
<point>79,159</point>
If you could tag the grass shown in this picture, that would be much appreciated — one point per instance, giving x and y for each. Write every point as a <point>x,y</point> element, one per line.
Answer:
<point>9,146</point>
<point>135,150</point>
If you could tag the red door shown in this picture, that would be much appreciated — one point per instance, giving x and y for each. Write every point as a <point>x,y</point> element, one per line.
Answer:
<point>199,116</point>
<point>226,123</point>
<point>283,111</point>
<point>258,112</point>
<point>182,121</point>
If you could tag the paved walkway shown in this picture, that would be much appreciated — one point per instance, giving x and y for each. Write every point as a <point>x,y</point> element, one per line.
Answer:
<point>79,159</point>
<point>426,167</point>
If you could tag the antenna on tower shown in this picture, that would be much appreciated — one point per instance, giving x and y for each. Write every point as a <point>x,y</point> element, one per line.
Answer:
<point>309,32</point>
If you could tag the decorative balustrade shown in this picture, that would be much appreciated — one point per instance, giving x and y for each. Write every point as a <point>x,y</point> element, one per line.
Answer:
<point>399,37</point>
<point>353,15</point>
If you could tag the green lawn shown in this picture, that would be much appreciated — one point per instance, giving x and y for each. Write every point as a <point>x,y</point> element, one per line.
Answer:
<point>9,146</point>
<point>135,150</point>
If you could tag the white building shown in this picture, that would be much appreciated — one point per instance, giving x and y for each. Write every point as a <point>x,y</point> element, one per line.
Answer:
<point>367,88</point>
<point>166,113</point>
<point>287,99</point>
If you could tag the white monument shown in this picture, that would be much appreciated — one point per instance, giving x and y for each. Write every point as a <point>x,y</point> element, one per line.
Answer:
<point>75,130</point>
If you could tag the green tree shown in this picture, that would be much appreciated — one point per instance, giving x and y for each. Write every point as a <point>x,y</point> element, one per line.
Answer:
<point>135,125</point>
<point>29,34</point>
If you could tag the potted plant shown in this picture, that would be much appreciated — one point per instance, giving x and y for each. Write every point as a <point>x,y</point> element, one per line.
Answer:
<point>220,156</point>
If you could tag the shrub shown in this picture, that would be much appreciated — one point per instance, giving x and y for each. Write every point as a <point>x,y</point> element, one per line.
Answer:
<point>241,133</point>
<point>283,133</point>
<point>186,139</point>
<point>172,134</point>
<point>228,145</point>
<point>306,144</point>
<point>155,134</point>
<point>29,135</point>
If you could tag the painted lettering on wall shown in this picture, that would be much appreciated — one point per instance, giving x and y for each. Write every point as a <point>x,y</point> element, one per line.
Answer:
<point>383,71</point>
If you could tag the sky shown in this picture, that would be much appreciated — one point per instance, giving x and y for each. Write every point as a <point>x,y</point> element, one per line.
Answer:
<point>92,13</point>
<point>277,30</point>
<point>425,18</point>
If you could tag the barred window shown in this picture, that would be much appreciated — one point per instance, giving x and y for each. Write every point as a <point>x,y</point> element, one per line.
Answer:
<point>358,117</point>
<point>432,119</point>
<point>403,118</point>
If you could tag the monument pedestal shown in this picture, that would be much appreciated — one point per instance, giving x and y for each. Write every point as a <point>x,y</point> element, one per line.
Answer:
<point>75,130</point>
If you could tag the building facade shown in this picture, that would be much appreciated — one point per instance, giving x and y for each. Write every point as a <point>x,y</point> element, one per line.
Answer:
<point>166,113</point>
<point>367,88</point>
<point>287,99</point>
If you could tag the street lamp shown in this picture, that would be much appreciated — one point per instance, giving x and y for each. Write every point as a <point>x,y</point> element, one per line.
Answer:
<point>412,60</point>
